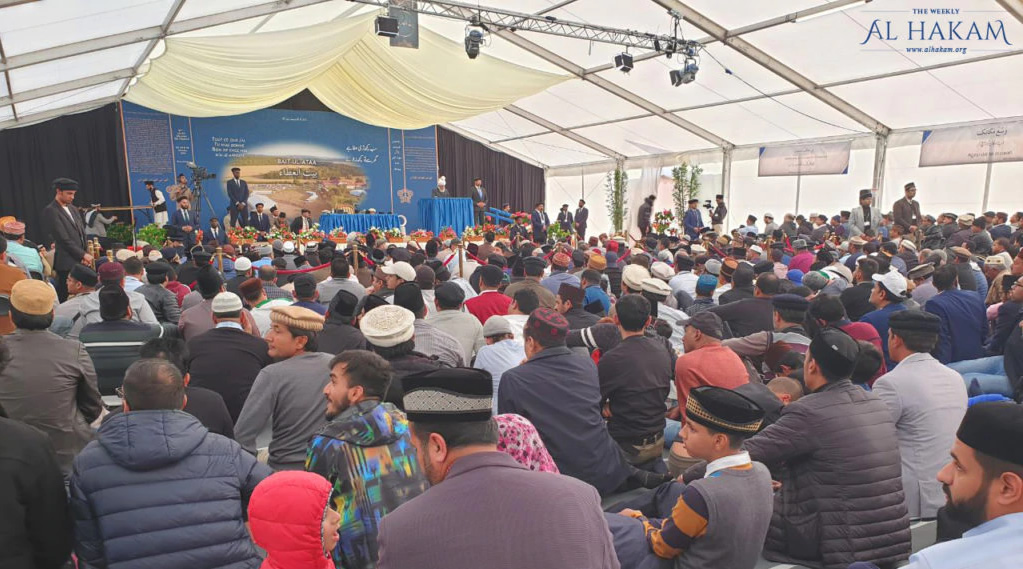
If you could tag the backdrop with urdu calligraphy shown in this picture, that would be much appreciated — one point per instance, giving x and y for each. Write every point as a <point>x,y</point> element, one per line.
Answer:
<point>292,159</point>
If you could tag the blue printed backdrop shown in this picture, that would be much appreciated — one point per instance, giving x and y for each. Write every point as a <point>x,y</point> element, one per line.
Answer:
<point>294,159</point>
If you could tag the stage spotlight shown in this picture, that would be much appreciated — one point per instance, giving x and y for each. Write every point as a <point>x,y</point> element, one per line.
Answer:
<point>473,41</point>
<point>685,75</point>
<point>623,62</point>
<point>386,26</point>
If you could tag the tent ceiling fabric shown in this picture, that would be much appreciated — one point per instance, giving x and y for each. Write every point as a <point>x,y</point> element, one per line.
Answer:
<point>64,56</point>
<point>348,67</point>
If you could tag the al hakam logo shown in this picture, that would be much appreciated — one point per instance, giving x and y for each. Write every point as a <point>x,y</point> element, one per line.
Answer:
<point>940,28</point>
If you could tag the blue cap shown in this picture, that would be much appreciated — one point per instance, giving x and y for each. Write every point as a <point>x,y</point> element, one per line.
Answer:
<point>706,284</point>
<point>795,275</point>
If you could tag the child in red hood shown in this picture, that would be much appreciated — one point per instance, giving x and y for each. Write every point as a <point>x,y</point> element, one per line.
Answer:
<point>291,518</point>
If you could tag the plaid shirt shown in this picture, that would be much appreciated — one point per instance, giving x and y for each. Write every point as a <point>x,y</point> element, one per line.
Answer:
<point>274,292</point>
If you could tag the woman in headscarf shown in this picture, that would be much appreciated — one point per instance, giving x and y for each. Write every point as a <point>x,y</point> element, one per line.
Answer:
<point>518,438</point>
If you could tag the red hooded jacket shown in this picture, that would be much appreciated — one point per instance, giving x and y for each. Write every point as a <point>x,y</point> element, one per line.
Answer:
<point>286,519</point>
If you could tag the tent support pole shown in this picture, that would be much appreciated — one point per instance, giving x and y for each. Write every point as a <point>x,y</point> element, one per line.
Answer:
<point>987,185</point>
<point>726,178</point>
<point>880,152</point>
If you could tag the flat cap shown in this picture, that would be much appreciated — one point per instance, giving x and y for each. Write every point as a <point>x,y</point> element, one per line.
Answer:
<point>966,219</point>
<point>84,275</point>
<point>921,271</point>
<point>790,302</point>
<point>297,317</point>
<point>835,351</point>
<point>65,185</point>
<point>388,325</point>
<point>962,252</point>
<point>914,321</point>
<point>305,285</point>
<point>799,244</point>
<point>33,297</point>
<point>449,395</point>
<point>708,323</point>
<point>497,325</point>
<point>226,303</point>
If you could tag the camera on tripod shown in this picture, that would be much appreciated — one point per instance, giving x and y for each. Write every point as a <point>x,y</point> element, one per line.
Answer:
<point>199,173</point>
<point>709,205</point>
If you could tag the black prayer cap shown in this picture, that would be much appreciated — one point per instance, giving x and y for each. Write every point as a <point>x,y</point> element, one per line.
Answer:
<point>866,194</point>
<point>149,182</point>
<point>724,410</point>
<point>685,263</point>
<point>915,321</point>
<point>113,303</point>
<point>305,285</point>
<point>763,267</point>
<point>449,395</point>
<point>65,185</point>
<point>995,429</point>
<point>344,304</point>
<point>84,275</point>
<point>835,352</point>
<point>410,296</point>
<point>708,323</point>
<point>910,186</point>
<point>208,280</point>
<point>790,302</point>
<point>370,301</point>
<point>449,294</point>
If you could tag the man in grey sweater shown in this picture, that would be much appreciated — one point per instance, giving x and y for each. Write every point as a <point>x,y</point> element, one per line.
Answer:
<point>289,393</point>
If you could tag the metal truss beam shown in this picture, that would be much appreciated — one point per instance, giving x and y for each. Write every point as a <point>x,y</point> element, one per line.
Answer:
<point>57,112</point>
<point>151,33</point>
<point>747,49</point>
<point>494,20</point>
<point>172,14</point>
<point>564,132</point>
<point>1014,7</point>
<point>57,88</point>
<point>612,88</point>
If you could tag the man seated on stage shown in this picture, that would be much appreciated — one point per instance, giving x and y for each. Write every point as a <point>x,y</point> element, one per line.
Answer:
<point>259,219</point>
<point>720,520</point>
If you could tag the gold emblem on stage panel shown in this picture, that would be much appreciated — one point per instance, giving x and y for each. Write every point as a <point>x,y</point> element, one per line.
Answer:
<point>405,195</point>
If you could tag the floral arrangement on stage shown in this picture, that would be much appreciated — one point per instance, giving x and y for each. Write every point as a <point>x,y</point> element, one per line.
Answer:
<point>337,235</point>
<point>242,235</point>
<point>394,235</point>
<point>520,215</point>
<point>279,233</point>
<point>471,232</point>
<point>447,233</point>
<point>421,235</point>
<point>501,231</point>
<point>556,233</point>
<point>153,234</point>
<point>312,234</point>
<point>663,221</point>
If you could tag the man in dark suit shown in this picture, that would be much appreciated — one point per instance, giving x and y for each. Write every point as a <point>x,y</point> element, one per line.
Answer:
<point>185,220</point>
<point>540,221</point>
<point>65,229</point>
<point>479,200</point>
<point>581,215</point>
<point>238,193</point>
<point>216,233</point>
<point>907,212</point>
<point>565,218</point>
<point>260,220</point>
<point>303,222</point>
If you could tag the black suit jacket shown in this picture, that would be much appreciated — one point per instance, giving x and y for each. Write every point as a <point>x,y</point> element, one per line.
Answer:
<point>237,192</point>
<point>581,216</point>
<point>218,235</point>
<point>67,235</point>
<point>476,198</point>
<point>227,361</point>
<point>260,221</point>
<point>296,224</point>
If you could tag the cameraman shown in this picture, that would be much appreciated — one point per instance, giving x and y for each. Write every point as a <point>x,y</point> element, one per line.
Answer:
<point>718,215</point>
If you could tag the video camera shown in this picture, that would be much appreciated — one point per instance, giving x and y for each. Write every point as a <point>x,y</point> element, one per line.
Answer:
<point>199,173</point>
<point>709,205</point>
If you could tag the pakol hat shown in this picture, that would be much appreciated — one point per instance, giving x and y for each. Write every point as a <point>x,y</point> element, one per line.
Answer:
<point>297,317</point>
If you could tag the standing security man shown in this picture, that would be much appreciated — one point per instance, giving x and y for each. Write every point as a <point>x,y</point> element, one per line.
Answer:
<point>479,200</point>
<point>717,219</point>
<point>65,227</point>
<point>581,215</point>
<point>907,212</point>
<point>565,218</point>
<point>238,193</point>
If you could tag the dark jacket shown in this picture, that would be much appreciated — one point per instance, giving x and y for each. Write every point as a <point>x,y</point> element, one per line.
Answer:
<point>227,361</point>
<point>114,346</point>
<point>68,235</point>
<point>566,413</point>
<point>35,528</point>
<point>736,294</point>
<point>404,366</point>
<point>746,316</point>
<point>208,406</point>
<point>260,221</point>
<point>963,325</point>
<point>158,490</point>
<point>579,318</point>
<point>296,224</point>
<point>163,302</point>
<point>539,221</point>
<point>337,337</point>
<point>368,432</point>
<point>643,215</point>
<point>1009,315</point>
<point>906,214</point>
<point>837,457</point>
<point>219,235</point>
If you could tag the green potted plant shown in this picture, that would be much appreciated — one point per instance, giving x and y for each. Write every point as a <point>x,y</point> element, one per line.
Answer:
<point>617,185</point>
<point>153,234</point>
<point>120,233</point>
<point>685,186</point>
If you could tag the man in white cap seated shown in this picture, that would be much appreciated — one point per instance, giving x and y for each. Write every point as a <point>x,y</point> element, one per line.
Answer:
<point>289,255</point>
<point>441,191</point>
<point>501,353</point>
<point>390,332</point>
<point>395,274</point>
<point>288,394</point>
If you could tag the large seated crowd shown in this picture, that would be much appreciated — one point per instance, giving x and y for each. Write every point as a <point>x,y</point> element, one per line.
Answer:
<point>798,390</point>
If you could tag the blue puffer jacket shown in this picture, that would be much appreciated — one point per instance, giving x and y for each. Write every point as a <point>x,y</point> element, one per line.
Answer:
<point>156,489</point>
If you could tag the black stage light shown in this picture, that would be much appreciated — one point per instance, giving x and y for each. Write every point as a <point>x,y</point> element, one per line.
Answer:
<point>623,62</point>
<point>473,41</point>
<point>386,26</point>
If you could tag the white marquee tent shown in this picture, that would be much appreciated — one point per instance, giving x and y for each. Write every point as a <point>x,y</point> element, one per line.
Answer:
<point>772,73</point>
